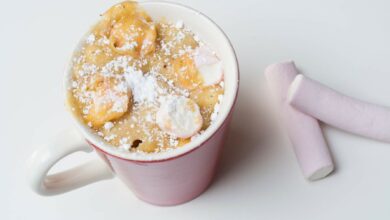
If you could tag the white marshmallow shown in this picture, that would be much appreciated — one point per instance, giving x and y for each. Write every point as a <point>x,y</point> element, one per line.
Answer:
<point>208,64</point>
<point>212,74</point>
<point>203,55</point>
<point>179,116</point>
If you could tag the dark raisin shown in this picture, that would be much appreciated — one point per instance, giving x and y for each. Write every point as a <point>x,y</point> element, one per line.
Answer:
<point>136,143</point>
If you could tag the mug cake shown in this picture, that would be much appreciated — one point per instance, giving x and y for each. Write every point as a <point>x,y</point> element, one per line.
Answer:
<point>145,85</point>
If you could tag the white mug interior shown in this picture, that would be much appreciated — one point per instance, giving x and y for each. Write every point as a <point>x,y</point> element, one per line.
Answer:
<point>212,36</point>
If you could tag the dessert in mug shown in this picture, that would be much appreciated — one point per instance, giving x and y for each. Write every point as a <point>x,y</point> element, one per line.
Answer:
<point>145,85</point>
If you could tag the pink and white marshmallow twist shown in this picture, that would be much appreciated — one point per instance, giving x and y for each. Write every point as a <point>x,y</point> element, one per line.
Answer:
<point>346,113</point>
<point>304,131</point>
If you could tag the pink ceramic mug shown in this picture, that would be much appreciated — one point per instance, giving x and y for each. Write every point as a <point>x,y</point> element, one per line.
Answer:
<point>168,178</point>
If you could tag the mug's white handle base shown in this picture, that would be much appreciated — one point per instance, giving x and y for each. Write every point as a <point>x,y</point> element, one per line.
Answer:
<point>43,159</point>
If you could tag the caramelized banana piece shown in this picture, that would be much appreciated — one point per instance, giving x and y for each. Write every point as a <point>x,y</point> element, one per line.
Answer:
<point>114,14</point>
<point>147,146</point>
<point>129,29</point>
<point>133,36</point>
<point>186,73</point>
<point>97,55</point>
<point>183,141</point>
<point>206,98</point>
<point>110,100</point>
<point>123,9</point>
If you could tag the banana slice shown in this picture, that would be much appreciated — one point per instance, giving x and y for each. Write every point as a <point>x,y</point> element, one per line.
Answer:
<point>115,14</point>
<point>209,66</point>
<point>118,11</point>
<point>179,116</point>
<point>129,29</point>
<point>97,55</point>
<point>206,98</point>
<point>134,36</point>
<point>185,72</point>
<point>110,101</point>
<point>147,146</point>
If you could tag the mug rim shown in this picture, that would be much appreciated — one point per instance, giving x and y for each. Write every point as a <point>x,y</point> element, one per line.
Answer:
<point>93,140</point>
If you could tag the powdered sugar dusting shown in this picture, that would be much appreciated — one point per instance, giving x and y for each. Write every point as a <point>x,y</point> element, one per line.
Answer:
<point>179,116</point>
<point>143,87</point>
<point>90,39</point>
<point>135,88</point>
<point>216,108</point>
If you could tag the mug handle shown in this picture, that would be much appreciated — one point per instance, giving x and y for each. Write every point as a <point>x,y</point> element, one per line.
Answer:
<point>44,158</point>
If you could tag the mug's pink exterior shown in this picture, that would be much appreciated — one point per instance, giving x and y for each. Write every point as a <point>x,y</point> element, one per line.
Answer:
<point>171,181</point>
<point>175,180</point>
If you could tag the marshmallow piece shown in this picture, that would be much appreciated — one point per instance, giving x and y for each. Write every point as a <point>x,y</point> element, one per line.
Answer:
<point>304,131</point>
<point>208,64</point>
<point>212,74</point>
<point>203,55</point>
<point>343,112</point>
<point>179,116</point>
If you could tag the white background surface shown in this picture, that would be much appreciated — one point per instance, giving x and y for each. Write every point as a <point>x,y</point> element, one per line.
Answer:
<point>344,44</point>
